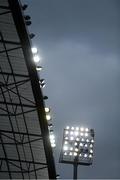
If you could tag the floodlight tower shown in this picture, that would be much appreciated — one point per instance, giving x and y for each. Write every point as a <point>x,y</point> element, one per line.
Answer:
<point>77,147</point>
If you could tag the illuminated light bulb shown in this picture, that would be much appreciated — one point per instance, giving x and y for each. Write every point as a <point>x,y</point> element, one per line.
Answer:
<point>80,155</point>
<point>71,148</point>
<point>67,127</point>
<point>82,140</point>
<point>65,148</point>
<point>66,142</point>
<point>91,145</point>
<point>53,145</point>
<point>72,128</point>
<point>52,136</point>
<point>76,143</point>
<point>66,138</point>
<point>82,129</point>
<point>71,138</point>
<point>34,50</point>
<point>91,151</point>
<point>36,58</point>
<point>92,141</point>
<point>76,133</point>
<point>81,134</point>
<point>90,156</point>
<point>70,153</point>
<point>52,141</point>
<point>85,155</point>
<point>76,149</point>
<point>87,140</point>
<point>47,109</point>
<point>75,154</point>
<point>48,117</point>
<point>71,132</point>
<point>86,145</point>
<point>39,68</point>
<point>86,134</point>
<point>77,128</point>
<point>66,132</point>
<point>86,129</point>
<point>77,139</point>
<point>81,144</point>
<point>65,153</point>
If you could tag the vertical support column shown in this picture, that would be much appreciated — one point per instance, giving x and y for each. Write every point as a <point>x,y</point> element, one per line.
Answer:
<point>75,165</point>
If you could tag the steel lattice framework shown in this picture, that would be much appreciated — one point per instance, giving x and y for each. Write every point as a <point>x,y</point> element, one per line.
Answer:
<point>25,150</point>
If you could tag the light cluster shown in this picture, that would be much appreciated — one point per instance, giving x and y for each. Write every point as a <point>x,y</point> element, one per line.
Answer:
<point>52,139</point>
<point>78,143</point>
<point>36,57</point>
<point>51,134</point>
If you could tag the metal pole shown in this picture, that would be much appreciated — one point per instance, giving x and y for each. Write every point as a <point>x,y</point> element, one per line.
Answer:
<point>75,168</point>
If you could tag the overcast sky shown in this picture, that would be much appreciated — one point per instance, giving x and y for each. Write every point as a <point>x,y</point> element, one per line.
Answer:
<point>79,42</point>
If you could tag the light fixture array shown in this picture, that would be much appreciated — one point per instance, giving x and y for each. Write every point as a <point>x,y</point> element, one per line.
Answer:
<point>78,142</point>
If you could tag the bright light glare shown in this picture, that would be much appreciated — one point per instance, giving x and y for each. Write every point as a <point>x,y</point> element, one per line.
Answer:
<point>81,134</point>
<point>75,154</point>
<point>67,127</point>
<point>87,140</point>
<point>72,128</point>
<point>71,148</point>
<point>92,141</point>
<point>81,144</point>
<point>52,136</point>
<point>38,68</point>
<point>65,148</point>
<point>76,149</point>
<point>65,153</point>
<point>82,140</point>
<point>34,50</point>
<point>71,132</point>
<point>85,155</point>
<point>66,142</point>
<point>91,151</point>
<point>36,58</point>
<point>77,128</point>
<point>71,138</point>
<point>47,109</point>
<point>48,117</point>
<point>90,156</point>
<point>76,133</point>
<point>77,139</point>
<point>52,141</point>
<point>66,138</point>
<point>86,129</point>
<point>70,154</point>
<point>86,145</point>
<point>91,145</point>
<point>66,132</point>
<point>82,129</point>
<point>86,134</point>
<point>53,145</point>
<point>76,143</point>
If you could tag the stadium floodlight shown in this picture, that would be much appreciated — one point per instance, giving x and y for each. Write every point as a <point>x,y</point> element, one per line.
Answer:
<point>52,139</point>
<point>47,110</point>
<point>36,58</point>
<point>39,68</point>
<point>34,50</point>
<point>48,117</point>
<point>77,147</point>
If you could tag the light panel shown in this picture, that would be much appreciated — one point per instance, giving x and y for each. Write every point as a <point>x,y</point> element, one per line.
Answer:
<point>78,143</point>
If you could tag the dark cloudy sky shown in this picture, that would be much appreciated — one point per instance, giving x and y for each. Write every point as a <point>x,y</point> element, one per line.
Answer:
<point>79,41</point>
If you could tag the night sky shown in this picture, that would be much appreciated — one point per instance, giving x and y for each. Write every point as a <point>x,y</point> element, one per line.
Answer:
<point>79,42</point>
